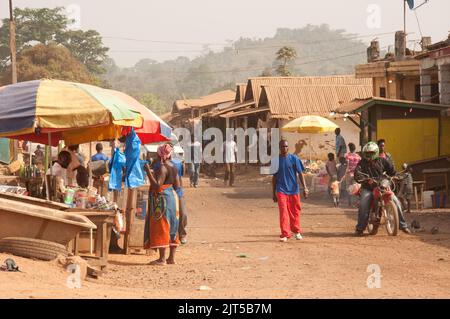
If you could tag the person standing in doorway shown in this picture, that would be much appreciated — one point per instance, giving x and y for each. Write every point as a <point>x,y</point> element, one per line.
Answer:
<point>286,191</point>
<point>341,148</point>
<point>229,152</point>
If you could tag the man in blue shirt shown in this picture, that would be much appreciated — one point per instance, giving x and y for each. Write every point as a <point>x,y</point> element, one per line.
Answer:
<point>341,147</point>
<point>99,156</point>
<point>286,192</point>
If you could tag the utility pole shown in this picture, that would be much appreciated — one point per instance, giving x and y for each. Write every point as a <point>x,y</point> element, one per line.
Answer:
<point>12,47</point>
<point>404,27</point>
<point>12,43</point>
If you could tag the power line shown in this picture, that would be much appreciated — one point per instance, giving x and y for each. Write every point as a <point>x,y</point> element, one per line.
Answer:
<point>251,47</point>
<point>195,51</point>
<point>272,68</point>
<point>165,42</point>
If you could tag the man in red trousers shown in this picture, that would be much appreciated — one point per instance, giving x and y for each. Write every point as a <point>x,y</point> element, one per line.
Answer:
<point>286,192</point>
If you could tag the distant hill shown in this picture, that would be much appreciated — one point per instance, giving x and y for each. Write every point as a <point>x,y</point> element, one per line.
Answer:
<point>320,51</point>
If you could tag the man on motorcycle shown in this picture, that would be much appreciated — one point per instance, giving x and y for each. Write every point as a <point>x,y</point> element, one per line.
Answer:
<point>374,166</point>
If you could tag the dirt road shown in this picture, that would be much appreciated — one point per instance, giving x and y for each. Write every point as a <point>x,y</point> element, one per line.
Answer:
<point>233,249</point>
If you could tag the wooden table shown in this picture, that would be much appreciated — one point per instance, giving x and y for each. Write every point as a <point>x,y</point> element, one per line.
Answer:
<point>104,220</point>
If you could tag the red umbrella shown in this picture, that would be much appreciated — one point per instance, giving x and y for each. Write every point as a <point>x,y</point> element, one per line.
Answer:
<point>153,129</point>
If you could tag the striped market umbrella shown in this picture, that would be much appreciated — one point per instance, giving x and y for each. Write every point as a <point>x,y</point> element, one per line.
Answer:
<point>154,129</point>
<point>73,112</point>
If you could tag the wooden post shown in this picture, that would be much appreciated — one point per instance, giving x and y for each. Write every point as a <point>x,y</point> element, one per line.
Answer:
<point>245,125</point>
<point>12,47</point>
<point>90,166</point>
<point>129,213</point>
<point>12,43</point>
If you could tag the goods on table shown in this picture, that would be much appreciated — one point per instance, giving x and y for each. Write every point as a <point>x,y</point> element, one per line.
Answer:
<point>13,189</point>
<point>87,199</point>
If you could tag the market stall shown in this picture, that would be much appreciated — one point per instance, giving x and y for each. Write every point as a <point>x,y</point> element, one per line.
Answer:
<point>51,111</point>
<point>316,175</point>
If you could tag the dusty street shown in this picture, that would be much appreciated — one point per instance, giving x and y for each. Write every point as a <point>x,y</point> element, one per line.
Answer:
<point>233,249</point>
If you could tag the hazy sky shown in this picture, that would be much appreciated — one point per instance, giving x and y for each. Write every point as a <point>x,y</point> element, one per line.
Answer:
<point>215,22</point>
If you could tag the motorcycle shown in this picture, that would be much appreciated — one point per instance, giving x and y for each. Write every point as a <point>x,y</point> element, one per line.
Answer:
<point>383,209</point>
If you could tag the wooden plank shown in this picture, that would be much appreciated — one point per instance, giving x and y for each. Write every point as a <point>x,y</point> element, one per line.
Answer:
<point>129,213</point>
<point>105,242</point>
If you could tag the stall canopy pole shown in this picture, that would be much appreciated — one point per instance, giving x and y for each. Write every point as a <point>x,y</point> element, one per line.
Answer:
<point>48,160</point>
<point>31,154</point>
<point>50,153</point>
<point>90,165</point>
<point>310,148</point>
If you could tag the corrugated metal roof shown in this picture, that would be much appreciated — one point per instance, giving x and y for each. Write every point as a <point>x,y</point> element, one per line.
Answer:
<point>319,99</point>
<point>240,92</point>
<point>207,100</point>
<point>246,112</point>
<point>359,105</point>
<point>254,85</point>
<point>233,107</point>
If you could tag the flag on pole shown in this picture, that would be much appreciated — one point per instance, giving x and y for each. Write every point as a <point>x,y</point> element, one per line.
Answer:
<point>410,4</point>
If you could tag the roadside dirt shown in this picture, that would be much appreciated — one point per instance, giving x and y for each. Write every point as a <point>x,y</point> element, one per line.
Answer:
<point>233,248</point>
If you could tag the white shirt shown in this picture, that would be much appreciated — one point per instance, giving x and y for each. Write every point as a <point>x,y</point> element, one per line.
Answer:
<point>230,150</point>
<point>59,171</point>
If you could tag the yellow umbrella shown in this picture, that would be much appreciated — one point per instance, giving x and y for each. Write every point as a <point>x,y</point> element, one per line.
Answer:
<point>312,124</point>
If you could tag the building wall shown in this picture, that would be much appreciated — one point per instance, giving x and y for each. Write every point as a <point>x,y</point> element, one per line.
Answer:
<point>445,135</point>
<point>393,90</point>
<point>410,140</point>
<point>409,86</point>
<point>322,144</point>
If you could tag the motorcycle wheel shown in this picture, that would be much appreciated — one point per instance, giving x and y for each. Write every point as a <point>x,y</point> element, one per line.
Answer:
<point>373,225</point>
<point>392,220</point>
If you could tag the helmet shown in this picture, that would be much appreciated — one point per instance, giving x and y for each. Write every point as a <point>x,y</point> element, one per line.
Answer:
<point>371,151</point>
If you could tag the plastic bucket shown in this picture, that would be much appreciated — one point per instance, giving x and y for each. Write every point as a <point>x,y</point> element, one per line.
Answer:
<point>428,199</point>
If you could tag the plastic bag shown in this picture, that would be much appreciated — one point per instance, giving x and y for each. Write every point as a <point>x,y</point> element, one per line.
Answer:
<point>134,170</point>
<point>115,168</point>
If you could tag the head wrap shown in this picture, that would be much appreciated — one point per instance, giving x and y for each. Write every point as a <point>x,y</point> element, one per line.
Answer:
<point>165,152</point>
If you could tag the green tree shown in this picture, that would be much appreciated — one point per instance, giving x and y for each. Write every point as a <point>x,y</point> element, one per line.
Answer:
<point>47,26</point>
<point>49,62</point>
<point>86,46</point>
<point>285,55</point>
<point>152,102</point>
